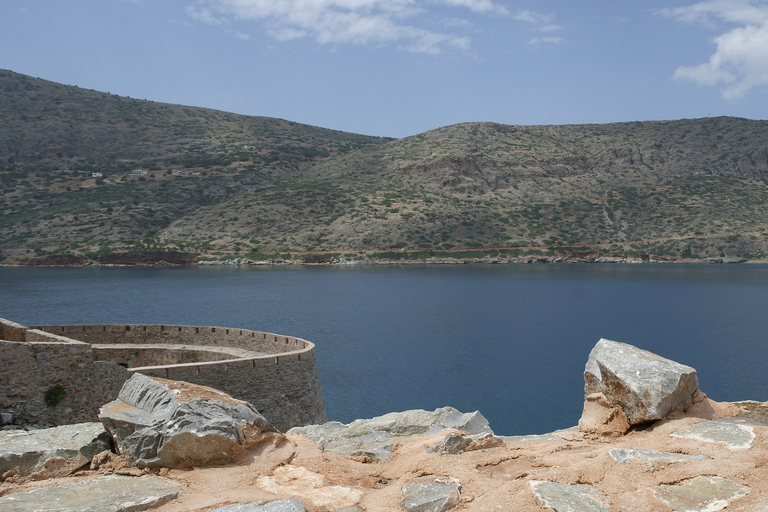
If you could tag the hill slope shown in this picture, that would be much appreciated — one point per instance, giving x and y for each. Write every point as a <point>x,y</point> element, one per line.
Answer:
<point>220,185</point>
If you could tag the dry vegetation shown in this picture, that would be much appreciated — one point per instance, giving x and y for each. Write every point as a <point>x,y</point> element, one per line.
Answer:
<point>221,185</point>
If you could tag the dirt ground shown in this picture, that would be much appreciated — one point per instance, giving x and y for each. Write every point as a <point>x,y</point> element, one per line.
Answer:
<point>292,466</point>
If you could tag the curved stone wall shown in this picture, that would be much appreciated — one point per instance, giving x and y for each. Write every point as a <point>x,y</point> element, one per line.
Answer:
<point>276,373</point>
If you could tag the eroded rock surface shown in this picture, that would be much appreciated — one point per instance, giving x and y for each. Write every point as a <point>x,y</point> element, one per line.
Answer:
<point>646,386</point>
<point>160,423</point>
<point>701,494</point>
<point>103,494</point>
<point>293,505</point>
<point>431,497</point>
<point>569,497</point>
<point>373,438</point>
<point>50,452</point>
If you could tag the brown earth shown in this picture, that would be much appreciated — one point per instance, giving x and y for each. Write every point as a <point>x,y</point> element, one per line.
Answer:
<point>292,466</point>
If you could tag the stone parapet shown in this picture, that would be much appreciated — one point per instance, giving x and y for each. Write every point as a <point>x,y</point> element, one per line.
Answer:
<point>275,373</point>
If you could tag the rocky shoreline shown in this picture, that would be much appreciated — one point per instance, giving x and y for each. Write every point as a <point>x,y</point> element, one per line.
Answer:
<point>648,440</point>
<point>343,261</point>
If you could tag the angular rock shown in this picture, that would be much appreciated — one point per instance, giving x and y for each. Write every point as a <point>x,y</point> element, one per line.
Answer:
<point>735,434</point>
<point>293,505</point>
<point>456,443</point>
<point>51,452</point>
<point>430,497</point>
<point>646,386</point>
<point>624,456</point>
<point>701,494</point>
<point>373,438</point>
<point>103,494</point>
<point>161,423</point>
<point>568,497</point>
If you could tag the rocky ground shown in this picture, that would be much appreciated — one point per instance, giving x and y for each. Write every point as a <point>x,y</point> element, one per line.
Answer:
<point>712,456</point>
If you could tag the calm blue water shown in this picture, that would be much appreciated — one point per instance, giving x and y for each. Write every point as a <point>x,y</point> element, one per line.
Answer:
<point>508,340</point>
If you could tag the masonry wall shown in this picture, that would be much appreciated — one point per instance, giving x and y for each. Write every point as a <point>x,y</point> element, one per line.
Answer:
<point>281,381</point>
<point>285,388</point>
<point>28,369</point>
<point>267,343</point>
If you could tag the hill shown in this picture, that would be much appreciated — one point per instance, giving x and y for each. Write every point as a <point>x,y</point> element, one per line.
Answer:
<point>219,185</point>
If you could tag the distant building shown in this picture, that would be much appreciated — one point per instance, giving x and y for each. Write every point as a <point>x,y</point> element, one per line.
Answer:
<point>97,175</point>
<point>138,172</point>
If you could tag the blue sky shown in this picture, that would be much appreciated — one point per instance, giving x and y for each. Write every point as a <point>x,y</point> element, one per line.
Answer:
<point>401,67</point>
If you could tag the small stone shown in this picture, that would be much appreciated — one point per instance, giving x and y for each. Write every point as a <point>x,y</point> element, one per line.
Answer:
<point>452,444</point>
<point>624,456</point>
<point>701,494</point>
<point>430,497</point>
<point>735,434</point>
<point>292,505</point>
<point>569,497</point>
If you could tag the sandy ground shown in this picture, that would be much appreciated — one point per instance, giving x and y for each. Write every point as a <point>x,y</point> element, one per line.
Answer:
<point>292,466</point>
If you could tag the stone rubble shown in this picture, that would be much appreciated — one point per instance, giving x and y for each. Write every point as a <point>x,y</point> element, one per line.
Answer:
<point>373,438</point>
<point>706,459</point>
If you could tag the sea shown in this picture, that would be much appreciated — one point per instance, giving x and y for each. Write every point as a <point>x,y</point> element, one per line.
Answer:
<point>508,340</point>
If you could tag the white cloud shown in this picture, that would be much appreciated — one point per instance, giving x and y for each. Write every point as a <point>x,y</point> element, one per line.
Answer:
<point>740,61</point>
<point>407,23</point>
<point>539,40</point>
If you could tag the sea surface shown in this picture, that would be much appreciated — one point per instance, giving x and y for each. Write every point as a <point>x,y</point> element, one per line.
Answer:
<point>508,340</point>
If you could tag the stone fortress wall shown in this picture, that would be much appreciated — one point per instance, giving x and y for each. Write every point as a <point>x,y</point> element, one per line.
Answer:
<point>275,373</point>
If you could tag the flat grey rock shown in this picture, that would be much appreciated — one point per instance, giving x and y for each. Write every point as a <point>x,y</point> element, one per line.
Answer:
<point>374,437</point>
<point>701,494</point>
<point>51,452</point>
<point>292,505</point>
<point>430,497</point>
<point>103,494</point>
<point>624,456</point>
<point>735,434</point>
<point>568,497</point>
<point>156,426</point>
<point>645,385</point>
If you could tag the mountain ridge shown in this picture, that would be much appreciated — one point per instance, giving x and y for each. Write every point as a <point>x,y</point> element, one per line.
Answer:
<point>223,186</point>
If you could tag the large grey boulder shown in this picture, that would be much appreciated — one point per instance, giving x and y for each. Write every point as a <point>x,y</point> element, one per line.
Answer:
<point>373,438</point>
<point>104,494</point>
<point>161,423</point>
<point>51,452</point>
<point>644,385</point>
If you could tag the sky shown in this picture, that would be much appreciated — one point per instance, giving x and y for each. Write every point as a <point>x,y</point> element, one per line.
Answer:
<point>401,67</point>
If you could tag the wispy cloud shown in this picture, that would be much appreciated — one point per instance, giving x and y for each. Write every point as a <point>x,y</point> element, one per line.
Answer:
<point>411,25</point>
<point>740,60</point>
<point>541,23</point>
